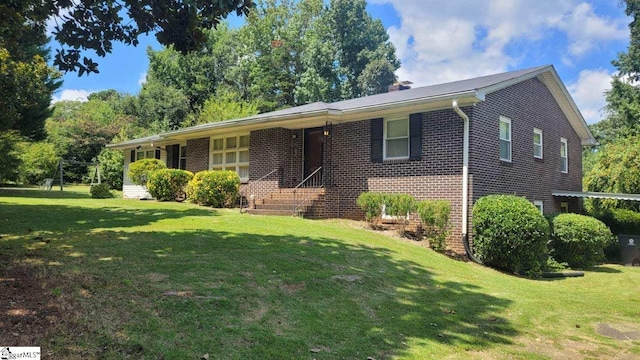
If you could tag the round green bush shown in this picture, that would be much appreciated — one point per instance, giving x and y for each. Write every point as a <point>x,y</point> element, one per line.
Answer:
<point>579,240</point>
<point>510,234</point>
<point>100,191</point>
<point>139,171</point>
<point>216,188</point>
<point>168,184</point>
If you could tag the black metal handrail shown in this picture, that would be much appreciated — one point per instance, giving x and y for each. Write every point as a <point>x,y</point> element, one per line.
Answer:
<point>309,180</point>
<point>251,188</point>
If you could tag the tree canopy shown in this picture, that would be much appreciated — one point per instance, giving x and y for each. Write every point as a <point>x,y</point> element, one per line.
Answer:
<point>288,53</point>
<point>95,25</point>
<point>614,165</point>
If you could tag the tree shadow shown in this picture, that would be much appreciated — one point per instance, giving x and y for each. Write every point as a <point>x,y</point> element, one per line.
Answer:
<point>60,219</point>
<point>35,193</point>
<point>272,296</point>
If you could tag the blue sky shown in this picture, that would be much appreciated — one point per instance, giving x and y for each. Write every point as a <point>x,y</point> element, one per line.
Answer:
<point>445,41</point>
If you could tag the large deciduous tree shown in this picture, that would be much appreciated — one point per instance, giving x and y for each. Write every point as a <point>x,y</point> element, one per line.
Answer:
<point>288,53</point>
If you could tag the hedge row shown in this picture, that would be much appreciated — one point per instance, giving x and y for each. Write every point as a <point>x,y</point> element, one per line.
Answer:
<point>218,188</point>
<point>433,214</point>
<point>511,234</point>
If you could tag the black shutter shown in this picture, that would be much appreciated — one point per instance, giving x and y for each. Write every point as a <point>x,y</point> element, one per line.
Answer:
<point>158,154</point>
<point>377,134</point>
<point>415,136</point>
<point>176,157</point>
<point>133,155</point>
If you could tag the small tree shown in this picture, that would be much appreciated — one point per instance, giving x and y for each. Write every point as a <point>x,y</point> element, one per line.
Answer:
<point>434,215</point>
<point>140,170</point>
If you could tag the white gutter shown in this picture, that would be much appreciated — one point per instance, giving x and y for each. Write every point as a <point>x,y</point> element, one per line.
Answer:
<point>465,166</point>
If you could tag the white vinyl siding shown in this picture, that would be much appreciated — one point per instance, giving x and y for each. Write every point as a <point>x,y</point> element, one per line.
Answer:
<point>537,143</point>
<point>396,139</point>
<point>129,189</point>
<point>564,156</point>
<point>231,153</point>
<point>505,139</point>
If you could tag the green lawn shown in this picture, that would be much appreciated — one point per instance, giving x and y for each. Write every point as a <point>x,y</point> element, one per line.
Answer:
<point>143,279</point>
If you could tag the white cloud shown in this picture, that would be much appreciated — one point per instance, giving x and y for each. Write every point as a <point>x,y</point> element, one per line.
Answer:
<point>588,92</point>
<point>142,79</point>
<point>585,29</point>
<point>443,41</point>
<point>72,94</point>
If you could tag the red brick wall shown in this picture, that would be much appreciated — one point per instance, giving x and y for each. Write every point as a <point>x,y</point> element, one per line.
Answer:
<point>198,155</point>
<point>528,104</point>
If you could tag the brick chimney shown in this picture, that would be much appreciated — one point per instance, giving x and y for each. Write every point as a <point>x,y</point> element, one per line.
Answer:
<point>399,86</point>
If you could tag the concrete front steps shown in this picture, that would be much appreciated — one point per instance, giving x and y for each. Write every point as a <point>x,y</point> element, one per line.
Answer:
<point>281,203</point>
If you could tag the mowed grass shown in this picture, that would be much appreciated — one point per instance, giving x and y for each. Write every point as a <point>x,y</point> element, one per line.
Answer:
<point>146,279</point>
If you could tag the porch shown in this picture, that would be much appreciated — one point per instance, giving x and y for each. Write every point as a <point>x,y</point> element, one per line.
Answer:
<point>290,170</point>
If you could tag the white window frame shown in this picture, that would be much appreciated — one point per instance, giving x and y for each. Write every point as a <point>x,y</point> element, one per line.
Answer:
<point>233,166</point>
<point>564,160</point>
<point>145,154</point>
<point>384,141</point>
<point>536,145</point>
<point>540,205</point>
<point>182,156</point>
<point>385,216</point>
<point>506,120</point>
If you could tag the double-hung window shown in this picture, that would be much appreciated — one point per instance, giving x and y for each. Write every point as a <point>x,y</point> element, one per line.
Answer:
<point>231,153</point>
<point>564,156</point>
<point>537,143</point>
<point>505,139</point>
<point>396,139</point>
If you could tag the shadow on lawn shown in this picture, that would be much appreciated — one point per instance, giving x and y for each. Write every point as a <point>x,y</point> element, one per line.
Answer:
<point>280,296</point>
<point>44,194</point>
<point>60,219</point>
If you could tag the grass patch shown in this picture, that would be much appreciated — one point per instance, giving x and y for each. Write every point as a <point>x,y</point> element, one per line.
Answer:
<point>145,279</point>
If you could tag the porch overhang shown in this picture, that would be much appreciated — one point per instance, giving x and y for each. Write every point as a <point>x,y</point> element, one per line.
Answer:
<point>595,195</point>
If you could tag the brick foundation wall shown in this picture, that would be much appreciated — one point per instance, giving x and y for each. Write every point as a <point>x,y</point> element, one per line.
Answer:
<point>198,155</point>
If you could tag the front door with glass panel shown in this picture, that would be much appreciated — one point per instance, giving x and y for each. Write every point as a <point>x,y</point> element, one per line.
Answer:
<point>313,142</point>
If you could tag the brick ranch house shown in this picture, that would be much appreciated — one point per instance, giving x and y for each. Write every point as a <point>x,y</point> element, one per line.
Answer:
<point>518,132</point>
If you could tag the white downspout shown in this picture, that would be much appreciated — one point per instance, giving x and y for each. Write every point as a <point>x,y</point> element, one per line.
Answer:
<point>465,166</point>
<point>465,178</point>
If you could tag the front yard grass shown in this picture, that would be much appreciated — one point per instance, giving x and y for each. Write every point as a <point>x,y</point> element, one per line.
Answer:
<point>121,278</point>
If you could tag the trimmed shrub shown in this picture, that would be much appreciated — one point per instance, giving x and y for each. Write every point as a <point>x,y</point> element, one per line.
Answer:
<point>371,203</point>
<point>139,171</point>
<point>579,240</point>
<point>399,206</point>
<point>215,188</point>
<point>434,215</point>
<point>101,191</point>
<point>510,234</point>
<point>168,184</point>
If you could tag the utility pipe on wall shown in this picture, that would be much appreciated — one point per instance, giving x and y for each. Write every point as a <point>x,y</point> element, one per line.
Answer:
<point>465,179</point>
